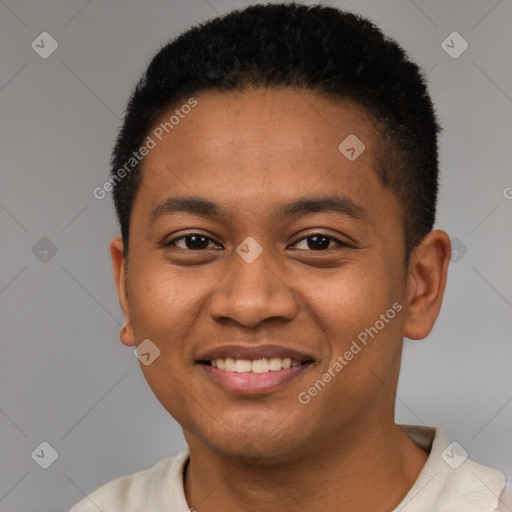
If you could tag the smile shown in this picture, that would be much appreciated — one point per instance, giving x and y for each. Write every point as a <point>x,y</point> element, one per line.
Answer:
<point>262,365</point>
<point>253,370</point>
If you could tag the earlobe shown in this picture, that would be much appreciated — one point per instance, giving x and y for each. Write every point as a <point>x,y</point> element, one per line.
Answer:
<point>126,335</point>
<point>426,281</point>
<point>119,268</point>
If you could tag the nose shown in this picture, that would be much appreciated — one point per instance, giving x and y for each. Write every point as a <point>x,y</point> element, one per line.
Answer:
<point>251,293</point>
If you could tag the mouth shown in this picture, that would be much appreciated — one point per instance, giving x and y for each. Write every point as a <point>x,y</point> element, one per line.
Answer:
<point>252,371</point>
<point>263,365</point>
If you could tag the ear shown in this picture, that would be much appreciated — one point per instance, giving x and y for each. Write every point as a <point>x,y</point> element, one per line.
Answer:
<point>426,281</point>
<point>119,267</point>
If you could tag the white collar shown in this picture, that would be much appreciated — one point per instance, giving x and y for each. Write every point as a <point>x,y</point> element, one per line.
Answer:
<point>445,484</point>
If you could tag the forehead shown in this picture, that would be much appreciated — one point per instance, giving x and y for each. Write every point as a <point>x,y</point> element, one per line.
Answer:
<point>300,125</point>
<point>259,147</point>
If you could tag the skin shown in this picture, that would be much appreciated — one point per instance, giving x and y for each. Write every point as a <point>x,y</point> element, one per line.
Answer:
<point>250,152</point>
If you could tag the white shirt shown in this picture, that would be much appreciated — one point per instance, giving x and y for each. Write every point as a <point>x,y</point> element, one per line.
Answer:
<point>449,482</point>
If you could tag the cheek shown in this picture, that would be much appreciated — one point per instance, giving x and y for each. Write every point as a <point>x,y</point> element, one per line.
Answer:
<point>160,310</point>
<point>362,318</point>
<point>166,306</point>
<point>361,314</point>
<point>160,298</point>
<point>349,300</point>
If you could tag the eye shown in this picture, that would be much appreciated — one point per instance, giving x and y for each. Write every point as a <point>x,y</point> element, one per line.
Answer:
<point>319,242</point>
<point>198,242</point>
<point>191,241</point>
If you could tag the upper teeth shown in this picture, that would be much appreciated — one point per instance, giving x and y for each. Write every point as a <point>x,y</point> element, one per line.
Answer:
<point>263,365</point>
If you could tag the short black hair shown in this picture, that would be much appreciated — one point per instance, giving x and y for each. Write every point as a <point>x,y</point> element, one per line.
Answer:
<point>338,54</point>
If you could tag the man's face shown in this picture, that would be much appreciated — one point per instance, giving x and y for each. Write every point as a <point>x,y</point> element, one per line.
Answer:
<point>323,275</point>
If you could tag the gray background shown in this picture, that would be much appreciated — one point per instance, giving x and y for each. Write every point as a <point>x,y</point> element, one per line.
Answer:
<point>65,378</point>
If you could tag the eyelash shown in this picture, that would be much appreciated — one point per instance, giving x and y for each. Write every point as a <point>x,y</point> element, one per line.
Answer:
<point>331,238</point>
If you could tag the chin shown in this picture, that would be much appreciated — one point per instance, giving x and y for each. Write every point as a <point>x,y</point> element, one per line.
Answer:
<point>256,440</point>
<point>255,451</point>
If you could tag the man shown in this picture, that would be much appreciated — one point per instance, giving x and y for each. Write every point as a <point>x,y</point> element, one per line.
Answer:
<point>275,180</point>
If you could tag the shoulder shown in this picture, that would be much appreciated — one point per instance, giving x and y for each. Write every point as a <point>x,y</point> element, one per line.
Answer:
<point>474,485</point>
<point>451,481</point>
<point>156,485</point>
<point>506,498</point>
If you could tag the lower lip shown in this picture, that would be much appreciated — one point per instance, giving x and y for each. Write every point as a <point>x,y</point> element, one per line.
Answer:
<point>248,383</point>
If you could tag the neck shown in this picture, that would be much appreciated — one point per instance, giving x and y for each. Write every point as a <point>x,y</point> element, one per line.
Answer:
<point>335,475</point>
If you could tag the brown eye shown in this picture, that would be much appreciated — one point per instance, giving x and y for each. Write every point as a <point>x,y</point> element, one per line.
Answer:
<point>191,241</point>
<point>319,242</point>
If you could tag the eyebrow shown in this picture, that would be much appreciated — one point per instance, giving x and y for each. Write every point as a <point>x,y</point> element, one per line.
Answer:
<point>342,205</point>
